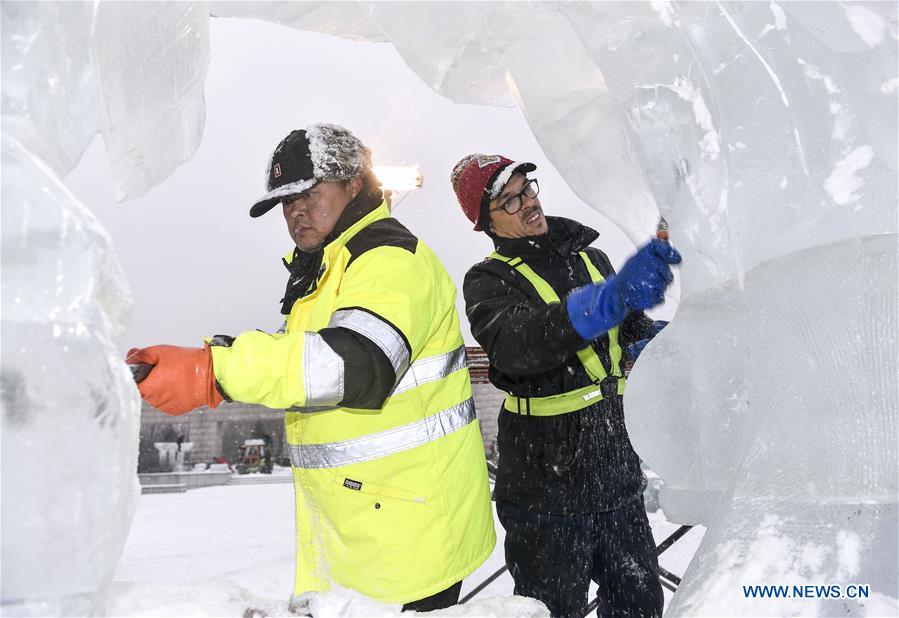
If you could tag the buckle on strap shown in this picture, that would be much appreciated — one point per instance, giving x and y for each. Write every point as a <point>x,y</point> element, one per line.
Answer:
<point>563,403</point>
<point>527,405</point>
<point>609,387</point>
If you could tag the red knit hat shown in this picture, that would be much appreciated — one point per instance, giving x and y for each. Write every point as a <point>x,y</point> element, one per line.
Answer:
<point>479,178</point>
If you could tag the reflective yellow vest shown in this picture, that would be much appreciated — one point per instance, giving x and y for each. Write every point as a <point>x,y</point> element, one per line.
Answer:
<point>575,400</point>
<point>393,503</point>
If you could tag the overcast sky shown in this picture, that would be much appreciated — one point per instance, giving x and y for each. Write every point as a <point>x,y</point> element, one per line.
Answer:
<point>199,266</point>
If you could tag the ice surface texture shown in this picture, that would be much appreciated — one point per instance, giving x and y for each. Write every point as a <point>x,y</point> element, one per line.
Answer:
<point>770,404</point>
<point>765,133</point>
<point>49,86</point>
<point>134,71</point>
<point>70,412</point>
<point>152,59</point>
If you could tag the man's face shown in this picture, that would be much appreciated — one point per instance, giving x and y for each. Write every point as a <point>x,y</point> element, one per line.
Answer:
<point>527,220</point>
<point>312,215</point>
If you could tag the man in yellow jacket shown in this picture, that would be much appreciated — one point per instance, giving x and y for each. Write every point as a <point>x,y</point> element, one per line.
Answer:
<point>389,473</point>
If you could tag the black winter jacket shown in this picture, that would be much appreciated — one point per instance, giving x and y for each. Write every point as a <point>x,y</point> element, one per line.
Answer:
<point>578,462</point>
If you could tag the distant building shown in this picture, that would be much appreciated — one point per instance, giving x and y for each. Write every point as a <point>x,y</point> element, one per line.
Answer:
<point>214,433</point>
<point>219,433</point>
<point>487,398</point>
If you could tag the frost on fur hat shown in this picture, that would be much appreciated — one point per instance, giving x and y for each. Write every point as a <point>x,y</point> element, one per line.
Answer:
<point>479,178</point>
<point>308,156</point>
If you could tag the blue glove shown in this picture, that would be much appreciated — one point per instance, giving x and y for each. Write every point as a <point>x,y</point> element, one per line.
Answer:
<point>644,277</point>
<point>593,309</point>
<point>634,349</point>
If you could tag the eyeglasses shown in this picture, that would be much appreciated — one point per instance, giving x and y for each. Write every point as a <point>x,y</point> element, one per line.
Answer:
<point>513,204</point>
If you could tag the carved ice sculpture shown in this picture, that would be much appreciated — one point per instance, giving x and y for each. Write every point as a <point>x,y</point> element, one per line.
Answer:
<point>764,133</point>
<point>70,411</point>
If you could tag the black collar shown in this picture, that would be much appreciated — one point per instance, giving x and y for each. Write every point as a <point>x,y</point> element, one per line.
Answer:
<point>565,237</point>
<point>306,268</point>
<point>357,208</point>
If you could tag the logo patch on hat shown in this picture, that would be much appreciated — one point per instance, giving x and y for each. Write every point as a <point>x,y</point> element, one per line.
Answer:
<point>485,160</point>
<point>277,170</point>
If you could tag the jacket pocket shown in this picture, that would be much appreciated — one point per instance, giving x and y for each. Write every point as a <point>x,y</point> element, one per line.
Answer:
<point>553,459</point>
<point>370,532</point>
<point>552,446</point>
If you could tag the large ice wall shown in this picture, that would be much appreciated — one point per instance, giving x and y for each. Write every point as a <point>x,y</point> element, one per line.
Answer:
<point>770,406</point>
<point>764,132</point>
<point>70,413</point>
<point>133,71</point>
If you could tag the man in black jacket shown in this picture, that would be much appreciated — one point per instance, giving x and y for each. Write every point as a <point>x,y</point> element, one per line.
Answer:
<point>555,319</point>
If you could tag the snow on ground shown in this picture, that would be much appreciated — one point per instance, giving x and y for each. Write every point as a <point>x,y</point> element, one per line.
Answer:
<point>218,551</point>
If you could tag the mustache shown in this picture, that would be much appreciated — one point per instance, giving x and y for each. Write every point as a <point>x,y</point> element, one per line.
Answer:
<point>525,213</point>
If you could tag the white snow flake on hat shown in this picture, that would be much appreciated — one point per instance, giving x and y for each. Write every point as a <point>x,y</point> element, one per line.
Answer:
<point>336,153</point>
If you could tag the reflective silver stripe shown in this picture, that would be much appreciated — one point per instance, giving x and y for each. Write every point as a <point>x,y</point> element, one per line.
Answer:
<point>420,372</point>
<point>383,443</point>
<point>431,369</point>
<point>322,372</point>
<point>383,334</point>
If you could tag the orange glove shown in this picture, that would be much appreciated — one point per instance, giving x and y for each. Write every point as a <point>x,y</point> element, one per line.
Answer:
<point>181,379</point>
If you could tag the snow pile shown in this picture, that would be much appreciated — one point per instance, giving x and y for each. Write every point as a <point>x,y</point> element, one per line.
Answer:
<point>209,598</point>
<point>229,548</point>
<point>340,602</point>
<point>227,599</point>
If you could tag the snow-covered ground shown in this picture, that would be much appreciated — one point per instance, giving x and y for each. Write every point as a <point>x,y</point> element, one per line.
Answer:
<point>217,551</point>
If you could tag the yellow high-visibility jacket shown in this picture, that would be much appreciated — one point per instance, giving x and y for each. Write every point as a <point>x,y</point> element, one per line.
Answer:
<point>392,498</point>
